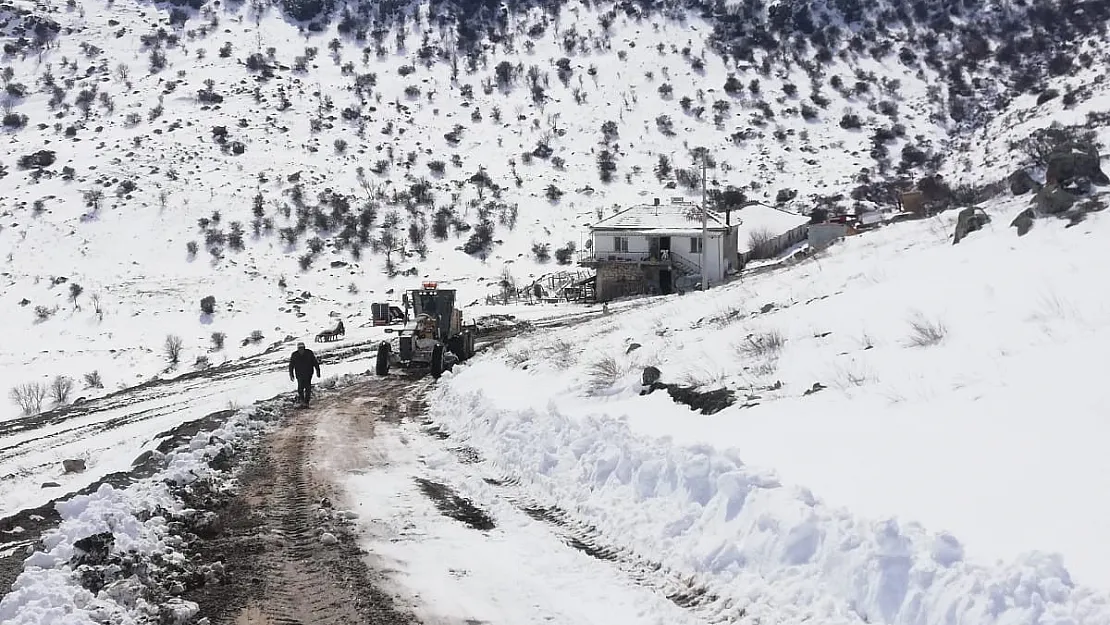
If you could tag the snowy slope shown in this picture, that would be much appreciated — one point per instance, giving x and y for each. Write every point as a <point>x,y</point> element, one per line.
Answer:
<point>922,482</point>
<point>147,144</point>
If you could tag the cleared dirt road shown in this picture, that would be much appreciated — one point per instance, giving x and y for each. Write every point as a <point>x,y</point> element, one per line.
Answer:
<point>289,555</point>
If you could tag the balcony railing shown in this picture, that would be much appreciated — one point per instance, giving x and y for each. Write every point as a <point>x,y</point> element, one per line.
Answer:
<point>666,259</point>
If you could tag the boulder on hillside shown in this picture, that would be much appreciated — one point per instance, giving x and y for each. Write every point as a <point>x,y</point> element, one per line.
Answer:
<point>1053,200</point>
<point>1021,183</point>
<point>73,465</point>
<point>1023,222</point>
<point>1075,160</point>
<point>970,219</point>
<point>650,376</point>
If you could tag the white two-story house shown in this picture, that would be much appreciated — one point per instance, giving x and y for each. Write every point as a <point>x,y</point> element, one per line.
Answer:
<point>659,248</point>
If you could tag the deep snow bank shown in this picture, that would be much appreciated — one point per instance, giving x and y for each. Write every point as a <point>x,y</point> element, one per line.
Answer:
<point>779,548</point>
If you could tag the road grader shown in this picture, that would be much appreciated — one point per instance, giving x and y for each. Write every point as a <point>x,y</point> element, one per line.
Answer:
<point>435,337</point>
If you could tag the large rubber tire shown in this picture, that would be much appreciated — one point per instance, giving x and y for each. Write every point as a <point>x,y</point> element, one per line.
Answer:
<point>382,365</point>
<point>437,360</point>
<point>457,346</point>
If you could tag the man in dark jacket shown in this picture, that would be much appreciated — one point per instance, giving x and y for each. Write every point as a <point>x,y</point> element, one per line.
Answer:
<point>301,365</point>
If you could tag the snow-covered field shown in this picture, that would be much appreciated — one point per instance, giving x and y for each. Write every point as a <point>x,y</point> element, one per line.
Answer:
<point>948,468</point>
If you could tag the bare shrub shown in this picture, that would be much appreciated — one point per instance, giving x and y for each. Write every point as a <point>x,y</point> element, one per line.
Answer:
<point>29,397</point>
<point>172,348</point>
<point>728,316</point>
<point>759,242</point>
<point>604,373</point>
<point>851,375</point>
<point>926,332</point>
<point>1052,307</point>
<point>762,345</point>
<point>561,354</point>
<point>92,380</point>
<point>218,340</point>
<point>60,388</point>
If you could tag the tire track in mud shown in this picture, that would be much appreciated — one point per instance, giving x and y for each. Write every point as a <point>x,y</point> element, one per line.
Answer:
<point>290,557</point>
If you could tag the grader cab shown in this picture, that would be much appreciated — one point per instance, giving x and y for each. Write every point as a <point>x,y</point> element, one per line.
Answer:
<point>435,337</point>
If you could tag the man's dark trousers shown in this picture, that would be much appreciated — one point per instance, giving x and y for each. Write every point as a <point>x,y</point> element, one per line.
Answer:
<point>304,389</point>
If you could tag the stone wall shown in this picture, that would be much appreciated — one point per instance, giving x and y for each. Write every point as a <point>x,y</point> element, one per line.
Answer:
<point>620,280</point>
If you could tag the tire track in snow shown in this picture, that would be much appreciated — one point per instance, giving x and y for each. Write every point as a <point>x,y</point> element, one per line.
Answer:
<point>681,590</point>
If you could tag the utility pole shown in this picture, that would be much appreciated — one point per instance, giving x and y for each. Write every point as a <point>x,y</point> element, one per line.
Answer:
<point>704,228</point>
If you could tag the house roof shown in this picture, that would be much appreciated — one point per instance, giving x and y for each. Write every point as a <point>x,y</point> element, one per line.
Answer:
<point>758,217</point>
<point>662,219</point>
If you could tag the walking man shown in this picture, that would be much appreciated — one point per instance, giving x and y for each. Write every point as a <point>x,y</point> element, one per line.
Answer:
<point>301,365</point>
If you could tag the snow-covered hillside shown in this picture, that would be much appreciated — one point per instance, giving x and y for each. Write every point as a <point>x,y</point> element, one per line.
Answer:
<point>161,154</point>
<point>917,433</point>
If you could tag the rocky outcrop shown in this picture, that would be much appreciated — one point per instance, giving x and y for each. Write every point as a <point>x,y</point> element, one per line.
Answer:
<point>1073,161</point>
<point>970,219</point>
<point>1021,183</point>
<point>1053,200</point>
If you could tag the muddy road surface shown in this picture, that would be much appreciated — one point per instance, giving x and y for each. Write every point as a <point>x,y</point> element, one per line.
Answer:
<point>289,553</point>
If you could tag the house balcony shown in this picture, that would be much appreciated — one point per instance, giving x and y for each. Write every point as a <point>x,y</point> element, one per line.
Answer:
<point>643,259</point>
<point>663,260</point>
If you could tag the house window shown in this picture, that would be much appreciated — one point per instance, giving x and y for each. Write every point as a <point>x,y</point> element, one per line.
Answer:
<point>695,245</point>
<point>620,244</point>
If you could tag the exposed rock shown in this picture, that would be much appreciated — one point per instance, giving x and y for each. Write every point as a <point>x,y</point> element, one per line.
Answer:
<point>1021,183</point>
<point>632,347</point>
<point>94,550</point>
<point>650,376</point>
<point>1053,200</point>
<point>705,402</point>
<point>73,465</point>
<point>51,485</point>
<point>1075,160</point>
<point>969,220</point>
<point>1023,222</point>
<point>816,388</point>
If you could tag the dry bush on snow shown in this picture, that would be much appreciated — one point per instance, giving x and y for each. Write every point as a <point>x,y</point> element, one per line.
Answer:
<point>728,316</point>
<point>926,332</point>
<point>1051,307</point>
<point>762,345</point>
<point>92,380</point>
<point>561,353</point>
<point>218,339</point>
<point>853,374</point>
<point>603,373</point>
<point>60,388</point>
<point>29,397</point>
<point>172,348</point>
